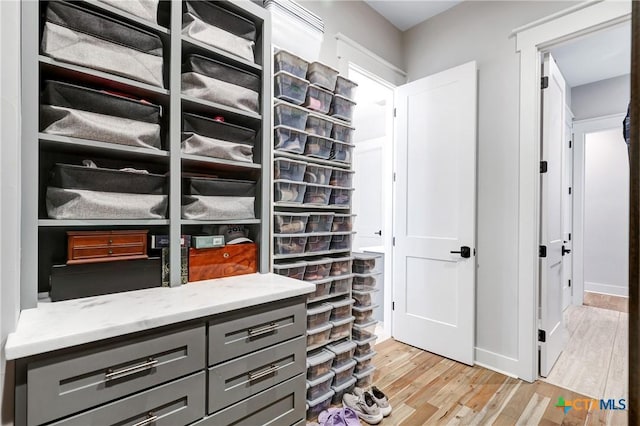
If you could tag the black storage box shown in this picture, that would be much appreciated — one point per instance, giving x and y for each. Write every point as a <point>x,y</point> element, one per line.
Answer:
<point>79,192</point>
<point>218,139</point>
<point>215,81</point>
<point>218,27</point>
<point>75,35</point>
<point>218,199</point>
<point>80,112</point>
<point>94,279</point>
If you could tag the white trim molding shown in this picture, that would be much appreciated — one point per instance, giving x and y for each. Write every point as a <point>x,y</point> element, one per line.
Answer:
<point>530,41</point>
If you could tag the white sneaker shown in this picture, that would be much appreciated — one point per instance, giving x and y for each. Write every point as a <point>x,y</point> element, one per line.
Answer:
<point>381,400</point>
<point>378,397</point>
<point>365,406</point>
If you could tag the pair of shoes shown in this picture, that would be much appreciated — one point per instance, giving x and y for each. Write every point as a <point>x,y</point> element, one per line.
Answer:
<point>364,405</point>
<point>339,417</point>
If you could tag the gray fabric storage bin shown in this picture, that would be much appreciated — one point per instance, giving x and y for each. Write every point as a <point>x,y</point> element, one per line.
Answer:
<point>217,139</point>
<point>218,27</point>
<point>218,199</point>
<point>75,35</point>
<point>145,9</point>
<point>79,192</point>
<point>214,81</point>
<point>80,112</point>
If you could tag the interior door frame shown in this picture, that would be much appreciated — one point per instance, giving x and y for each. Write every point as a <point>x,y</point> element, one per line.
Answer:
<point>580,129</point>
<point>531,40</point>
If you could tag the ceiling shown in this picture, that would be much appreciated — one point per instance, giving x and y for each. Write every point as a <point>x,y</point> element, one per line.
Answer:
<point>597,56</point>
<point>405,14</point>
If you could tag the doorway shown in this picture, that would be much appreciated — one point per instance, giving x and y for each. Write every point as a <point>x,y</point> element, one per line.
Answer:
<point>583,341</point>
<point>373,165</point>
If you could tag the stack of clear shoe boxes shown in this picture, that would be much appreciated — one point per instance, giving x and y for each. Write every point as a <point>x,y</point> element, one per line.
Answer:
<point>313,224</point>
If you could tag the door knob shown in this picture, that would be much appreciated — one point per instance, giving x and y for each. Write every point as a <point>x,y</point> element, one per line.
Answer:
<point>379,232</point>
<point>565,250</point>
<point>463,252</point>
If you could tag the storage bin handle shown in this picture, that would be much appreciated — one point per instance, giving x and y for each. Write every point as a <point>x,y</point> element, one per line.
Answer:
<point>253,332</point>
<point>117,374</point>
<point>264,372</point>
<point>151,418</point>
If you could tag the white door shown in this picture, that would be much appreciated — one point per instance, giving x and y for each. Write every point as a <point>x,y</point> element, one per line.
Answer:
<point>435,213</point>
<point>368,205</point>
<point>567,209</point>
<point>551,337</point>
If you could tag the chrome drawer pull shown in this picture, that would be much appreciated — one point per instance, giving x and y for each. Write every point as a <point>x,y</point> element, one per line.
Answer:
<point>110,374</point>
<point>257,375</point>
<point>150,419</point>
<point>263,330</point>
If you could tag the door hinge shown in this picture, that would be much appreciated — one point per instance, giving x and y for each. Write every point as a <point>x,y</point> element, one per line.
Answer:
<point>569,236</point>
<point>394,241</point>
<point>394,176</point>
<point>569,283</point>
<point>542,336</point>
<point>395,112</point>
<point>569,144</point>
<point>544,166</point>
<point>569,190</point>
<point>543,251</point>
<point>393,306</point>
<point>544,82</point>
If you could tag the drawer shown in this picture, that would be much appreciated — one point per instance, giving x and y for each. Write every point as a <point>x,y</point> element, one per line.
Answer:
<point>87,254</point>
<point>242,377</point>
<point>77,380</point>
<point>176,403</point>
<point>103,246</point>
<point>283,404</point>
<point>254,328</point>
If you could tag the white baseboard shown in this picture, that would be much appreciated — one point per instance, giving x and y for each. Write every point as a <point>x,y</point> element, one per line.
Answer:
<point>613,290</point>
<point>496,362</point>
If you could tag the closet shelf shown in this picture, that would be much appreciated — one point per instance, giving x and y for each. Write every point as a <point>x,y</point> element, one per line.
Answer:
<point>66,143</point>
<point>309,206</point>
<point>52,223</point>
<point>191,104</point>
<point>315,254</point>
<point>198,160</point>
<point>221,222</point>
<point>55,68</point>
<point>191,45</point>
<point>327,297</point>
<point>115,12</point>
<point>300,157</point>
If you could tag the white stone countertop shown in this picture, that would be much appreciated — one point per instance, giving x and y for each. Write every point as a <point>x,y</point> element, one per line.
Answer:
<point>58,325</point>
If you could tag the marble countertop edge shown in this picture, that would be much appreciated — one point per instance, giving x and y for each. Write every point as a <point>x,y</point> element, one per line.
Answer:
<point>53,326</point>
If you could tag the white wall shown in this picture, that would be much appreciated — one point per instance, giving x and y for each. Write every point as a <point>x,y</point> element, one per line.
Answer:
<point>479,30</point>
<point>606,213</point>
<point>602,98</point>
<point>9,193</point>
<point>361,23</point>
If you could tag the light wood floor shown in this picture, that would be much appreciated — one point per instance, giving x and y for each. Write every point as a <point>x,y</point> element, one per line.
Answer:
<point>604,301</point>
<point>426,389</point>
<point>595,359</point>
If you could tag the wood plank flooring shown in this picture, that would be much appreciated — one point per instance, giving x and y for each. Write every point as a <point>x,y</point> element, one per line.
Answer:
<point>427,389</point>
<point>594,361</point>
<point>605,301</point>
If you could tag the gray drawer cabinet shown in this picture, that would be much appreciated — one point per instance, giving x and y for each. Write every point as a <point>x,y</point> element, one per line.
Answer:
<point>281,405</point>
<point>175,403</point>
<point>255,328</point>
<point>69,383</point>
<point>163,376</point>
<point>242,377</point>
